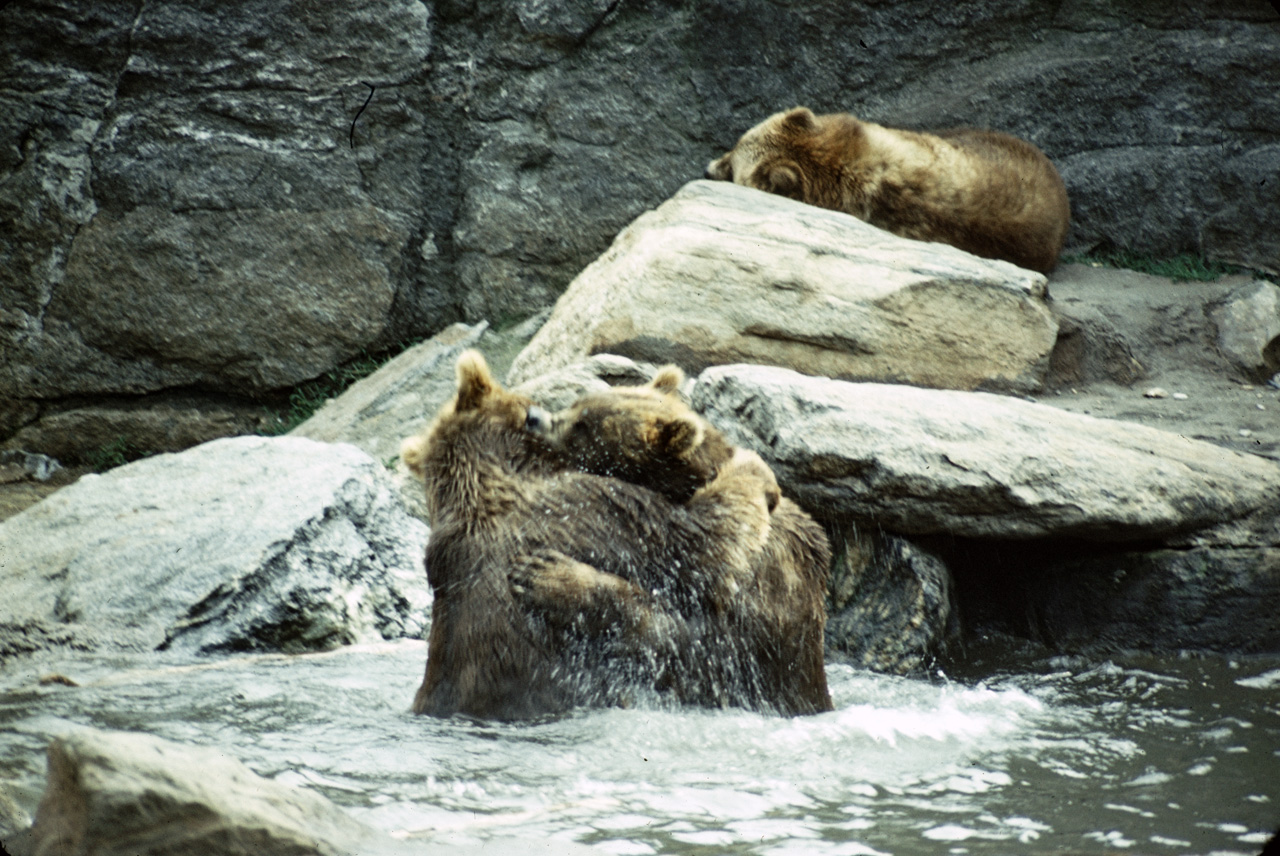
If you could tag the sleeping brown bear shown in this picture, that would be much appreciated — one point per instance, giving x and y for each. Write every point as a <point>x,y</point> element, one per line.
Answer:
<point>648,435</point>
<point>988,193</point>
<point>556,588</point>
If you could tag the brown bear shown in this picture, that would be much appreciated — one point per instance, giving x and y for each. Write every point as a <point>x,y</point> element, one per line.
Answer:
<point>648,435</point>
<point>556,588</point>
<point>645,435</point>
<point>988,193</point>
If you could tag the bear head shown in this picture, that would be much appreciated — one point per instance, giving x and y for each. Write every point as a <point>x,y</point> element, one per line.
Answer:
<point>645,435</point>
<point>482,426</point>
<point>793,154</point>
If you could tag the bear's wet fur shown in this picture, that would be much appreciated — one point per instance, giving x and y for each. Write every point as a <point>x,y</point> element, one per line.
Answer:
<point>556,588</point>
<point>985,192</point>
<point>645,435</point>
<point>650,436</point>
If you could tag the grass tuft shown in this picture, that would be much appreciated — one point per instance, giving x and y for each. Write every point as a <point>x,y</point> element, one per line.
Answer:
<point>309,396</point>
<point>1184,267</point>
<point>114,454</point>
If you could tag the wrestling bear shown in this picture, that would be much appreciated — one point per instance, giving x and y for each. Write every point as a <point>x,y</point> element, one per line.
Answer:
<point>649,436</point>
<point>645,435</point>
<point>988,193</point>
<point>556,588</point>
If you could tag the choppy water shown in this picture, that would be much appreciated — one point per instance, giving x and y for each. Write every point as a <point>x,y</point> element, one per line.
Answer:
<point>1158,756</point>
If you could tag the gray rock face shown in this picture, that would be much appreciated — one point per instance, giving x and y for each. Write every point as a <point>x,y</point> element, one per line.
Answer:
<point>92,432</point>
<point>923,461</point>
<point>244,543</point>
<point>892,604</point>
<point>181,203</point>
<point>722,273</point>
<point>238,197</point>
<point>250,300</point>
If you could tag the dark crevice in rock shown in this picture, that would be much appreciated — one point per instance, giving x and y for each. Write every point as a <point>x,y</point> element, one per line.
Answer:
<point>1082,597</point>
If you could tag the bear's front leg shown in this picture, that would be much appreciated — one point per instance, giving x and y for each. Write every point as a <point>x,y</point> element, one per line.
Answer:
<point>577,600</point>
<point>735,507</point>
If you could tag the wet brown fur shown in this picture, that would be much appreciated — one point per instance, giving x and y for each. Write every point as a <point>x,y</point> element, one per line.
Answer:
<point>985,192</point>
<point>648,435</point>
<point>645,435</point>
<point>555,588</point>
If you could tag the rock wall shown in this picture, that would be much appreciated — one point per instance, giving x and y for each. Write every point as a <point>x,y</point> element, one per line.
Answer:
<point>221,201</point>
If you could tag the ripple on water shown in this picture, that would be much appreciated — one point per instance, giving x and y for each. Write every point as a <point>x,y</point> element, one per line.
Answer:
<point>1060,756</point>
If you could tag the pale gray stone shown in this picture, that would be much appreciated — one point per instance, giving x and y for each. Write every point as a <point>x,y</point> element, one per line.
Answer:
<point>722,273</point>
<point>556,390</point>
<point>114,793</point>
<point>243,543</point>
<point>920,461</point>
<point>1249,330</point>
<point>117,793</point>
<point>377,412</point>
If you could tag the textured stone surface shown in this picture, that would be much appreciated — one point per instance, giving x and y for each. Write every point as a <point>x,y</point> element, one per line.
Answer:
<point>722,273</point>
<point>244,543</point>
<point>465,160</point>
<point>1249,330</point>
<point>104,433</point>
<point>920,461</point>
<point>1204,598</point>
<point>120,793</point>
<point>379,411</point>
<point>892,604</point>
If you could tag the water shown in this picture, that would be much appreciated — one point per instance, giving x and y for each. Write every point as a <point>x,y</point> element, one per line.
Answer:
<point>1045,756</point>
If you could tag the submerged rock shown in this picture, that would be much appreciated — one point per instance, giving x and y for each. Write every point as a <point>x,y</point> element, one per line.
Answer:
<point>243,543</point>
<point>119,793</point>
<point>722,274</point>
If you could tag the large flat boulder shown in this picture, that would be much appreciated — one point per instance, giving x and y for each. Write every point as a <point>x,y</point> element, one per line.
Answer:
<point>920,461</point>
<point>723,274</point>
<point>243,543</point>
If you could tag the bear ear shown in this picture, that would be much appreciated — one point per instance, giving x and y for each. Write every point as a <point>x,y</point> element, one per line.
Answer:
<point>667,380</point>
<point>474,381</point>
<point>681,436</point>
<point>413,453</point>
<point>800,119</point>
<point>783,179</point>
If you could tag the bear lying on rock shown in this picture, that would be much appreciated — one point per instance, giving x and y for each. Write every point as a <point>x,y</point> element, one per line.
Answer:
<point>556,588</point>
<point>987,193</point>
<point>774,614</point>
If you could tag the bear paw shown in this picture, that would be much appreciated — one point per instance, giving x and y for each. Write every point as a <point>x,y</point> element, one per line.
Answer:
<point>549,580</point>
<point>570,596</point>
<point>747,465</point>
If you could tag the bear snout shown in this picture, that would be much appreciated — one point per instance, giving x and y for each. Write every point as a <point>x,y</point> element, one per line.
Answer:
<point>538,421</point>
<point>718,170</point>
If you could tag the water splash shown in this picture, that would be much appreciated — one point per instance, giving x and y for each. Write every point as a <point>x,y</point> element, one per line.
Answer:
<point>1074,757</point>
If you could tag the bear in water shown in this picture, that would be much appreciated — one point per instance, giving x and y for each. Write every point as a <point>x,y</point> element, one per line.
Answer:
<point>555,588</point>
<point>776,611</point>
